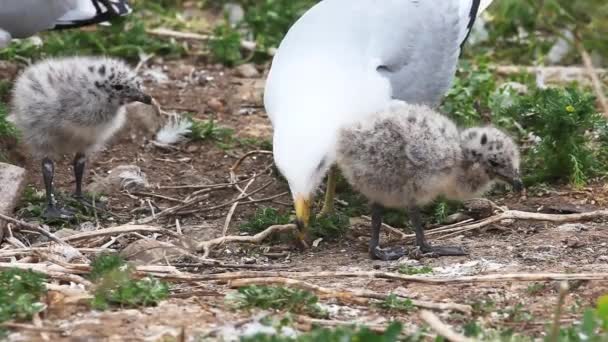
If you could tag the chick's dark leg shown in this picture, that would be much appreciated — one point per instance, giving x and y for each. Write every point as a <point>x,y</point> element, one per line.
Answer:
<point>425,247</point>
<point>79,165</point>
<point>52,210</point>
<point>374,243</point>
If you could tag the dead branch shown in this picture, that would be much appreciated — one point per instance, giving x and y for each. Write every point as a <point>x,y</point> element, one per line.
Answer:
<point>357,296</point>
<point>595,80</point>
<point>127,228</point>
<point>524,215</point>
<point>215,207</point>
<point>206,246</point>
<point>36,228</point>
<point>243,192</point>
<point>555,74</point>
<point>30,327</point>
<point>487,278</point>
<point>441,328</point>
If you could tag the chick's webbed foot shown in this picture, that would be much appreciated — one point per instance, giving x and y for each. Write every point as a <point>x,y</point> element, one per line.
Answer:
<point>388,253</point>
<point>53,212</point>
<point>443,250</point>
<point>88,202</point>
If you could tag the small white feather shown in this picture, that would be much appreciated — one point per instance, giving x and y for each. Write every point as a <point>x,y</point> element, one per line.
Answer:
<point>174,131</point>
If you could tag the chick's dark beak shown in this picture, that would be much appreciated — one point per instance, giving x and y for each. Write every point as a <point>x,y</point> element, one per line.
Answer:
<point>145,98</point>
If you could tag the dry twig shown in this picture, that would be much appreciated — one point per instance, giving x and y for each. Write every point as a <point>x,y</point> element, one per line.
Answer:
<point>206,246</point>
<point>36,228</point>
<point>441,328</point>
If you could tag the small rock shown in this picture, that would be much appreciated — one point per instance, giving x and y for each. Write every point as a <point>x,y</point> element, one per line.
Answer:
<point>247,71</point>
<point>249,260</point>
<point>12,183</point>
<point>146,251</point>
<point>478,208</point>
<point>234,12</point>
<point>65,232</point>
<point>87,226</point>
<point>573,242</point>
<point>215,104</point>
<point>603,258</point>
<point>572,227</point>
<point>122,177</point>
<point>455,218</point>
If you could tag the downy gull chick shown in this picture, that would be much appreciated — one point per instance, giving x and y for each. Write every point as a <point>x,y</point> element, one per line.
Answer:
<point>408,155</point>
<point>72,106</point>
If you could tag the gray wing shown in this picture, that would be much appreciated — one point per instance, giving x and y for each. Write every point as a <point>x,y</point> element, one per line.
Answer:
<point>23,18</point>
<point>420,55</point>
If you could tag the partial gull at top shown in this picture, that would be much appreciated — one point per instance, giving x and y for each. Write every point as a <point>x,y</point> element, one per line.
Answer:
<point>24,18</point>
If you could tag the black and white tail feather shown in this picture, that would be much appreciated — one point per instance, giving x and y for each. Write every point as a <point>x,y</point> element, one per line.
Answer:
<point>89,12</point>
<point>476,7</point>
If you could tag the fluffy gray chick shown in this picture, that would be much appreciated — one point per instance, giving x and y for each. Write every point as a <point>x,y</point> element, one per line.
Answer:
<point>72,106</point>
<point>408,155</point>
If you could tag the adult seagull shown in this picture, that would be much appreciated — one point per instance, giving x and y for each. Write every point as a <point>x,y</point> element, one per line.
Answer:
<point>346,59</point>
<point>24,18</point>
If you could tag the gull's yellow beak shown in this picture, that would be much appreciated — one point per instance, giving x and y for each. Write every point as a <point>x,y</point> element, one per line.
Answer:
<point>302,205</point>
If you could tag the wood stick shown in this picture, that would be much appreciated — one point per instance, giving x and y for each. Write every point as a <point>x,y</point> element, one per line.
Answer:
<point>30,327</point>
<point>441,328</point>
<point>36,228</point>
<point>127,228</point>
<point>206,246</point>
<point>524,215</point>
<point>488,278</point>
<point>595,80</point>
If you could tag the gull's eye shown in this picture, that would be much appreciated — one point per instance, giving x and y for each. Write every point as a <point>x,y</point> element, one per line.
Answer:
<point>118,87</point>
<point>494,163</point>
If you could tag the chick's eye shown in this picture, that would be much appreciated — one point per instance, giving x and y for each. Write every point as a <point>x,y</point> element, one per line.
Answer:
<point>118,87</point>
<point>494,163</point>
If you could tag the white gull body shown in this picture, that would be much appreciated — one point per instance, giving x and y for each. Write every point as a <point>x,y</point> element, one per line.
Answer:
<point>345,59</point>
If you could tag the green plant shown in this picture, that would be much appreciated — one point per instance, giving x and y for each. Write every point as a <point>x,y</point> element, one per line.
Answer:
<point>474,82</point>
<point>593,328</point>
<point>265,22</point>
<point>330,226</point>
<point>225,46</point>
<point>544,22</point>
<point>262,219</point>
<point>209,130</point>
<point>412,270</point>
<point>20,294</point>
<point>7,129</point>
<point>394,303</point>
<point>561,119</point>
<point>340,334</point>
<point>115,284</point>
<point>535,288</point>
<point>276,298</point>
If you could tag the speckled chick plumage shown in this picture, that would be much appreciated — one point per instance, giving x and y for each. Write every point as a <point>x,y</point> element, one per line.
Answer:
<point>72,105</point>
<point>408,155</point>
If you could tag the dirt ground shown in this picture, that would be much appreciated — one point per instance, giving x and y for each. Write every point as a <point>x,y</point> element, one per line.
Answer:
<point>197,311</point>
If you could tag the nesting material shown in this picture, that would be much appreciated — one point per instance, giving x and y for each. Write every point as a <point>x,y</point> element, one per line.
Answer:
<point>123,177</point>
<point>174,131</point>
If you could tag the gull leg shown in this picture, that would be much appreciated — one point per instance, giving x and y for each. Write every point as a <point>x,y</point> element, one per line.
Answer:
<point>425,247</point>
<point>52,210</point>
<point>79,165</point>
<point>374,243</point>
<point>330,192</point>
